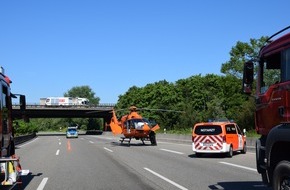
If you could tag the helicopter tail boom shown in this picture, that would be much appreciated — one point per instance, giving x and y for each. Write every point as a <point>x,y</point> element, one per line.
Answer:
<point>115,127</point>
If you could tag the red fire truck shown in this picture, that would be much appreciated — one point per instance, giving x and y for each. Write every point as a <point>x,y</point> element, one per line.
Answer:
<point>10,169</point>
<point>272,115</point>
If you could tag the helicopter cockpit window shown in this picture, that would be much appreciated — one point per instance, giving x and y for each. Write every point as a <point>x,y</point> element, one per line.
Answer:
<point>136,123</point>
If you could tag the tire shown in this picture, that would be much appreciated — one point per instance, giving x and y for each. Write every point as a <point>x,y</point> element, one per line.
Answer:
<point>244,149</point>
<point>153,139</point>
<point>281,176</point>
<point>230,153</point>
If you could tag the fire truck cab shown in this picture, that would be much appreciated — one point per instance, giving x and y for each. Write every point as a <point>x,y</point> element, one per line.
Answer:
<point>10,169</point>
<point>272,114</point>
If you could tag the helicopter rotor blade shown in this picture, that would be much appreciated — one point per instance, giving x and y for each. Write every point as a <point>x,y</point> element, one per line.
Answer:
<point>162,110</point>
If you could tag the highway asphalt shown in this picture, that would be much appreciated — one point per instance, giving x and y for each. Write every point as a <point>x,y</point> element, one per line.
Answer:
<point>101,162</point>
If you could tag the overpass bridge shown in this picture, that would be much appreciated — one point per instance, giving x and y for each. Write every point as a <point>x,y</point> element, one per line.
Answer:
<point>103,111</point>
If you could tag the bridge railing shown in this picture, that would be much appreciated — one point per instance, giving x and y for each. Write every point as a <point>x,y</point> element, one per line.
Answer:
<point>103,105</point>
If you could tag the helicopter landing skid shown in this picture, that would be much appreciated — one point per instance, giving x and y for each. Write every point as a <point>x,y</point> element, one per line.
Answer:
<point>126,140</point>
<point>143,141</point>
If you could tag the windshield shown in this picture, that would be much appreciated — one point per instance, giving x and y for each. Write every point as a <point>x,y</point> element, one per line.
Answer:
<point>139,123</point>
<point>72,130</point>
<point>274,69</point>
<point>208,130</point>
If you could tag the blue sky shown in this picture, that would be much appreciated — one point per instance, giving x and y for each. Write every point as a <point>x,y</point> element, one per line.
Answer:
<point>49,46</point>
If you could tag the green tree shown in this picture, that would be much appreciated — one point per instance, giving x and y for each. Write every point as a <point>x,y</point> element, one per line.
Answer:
<point>83,92</point>
<point>156,101</point>
<point>241,53</point>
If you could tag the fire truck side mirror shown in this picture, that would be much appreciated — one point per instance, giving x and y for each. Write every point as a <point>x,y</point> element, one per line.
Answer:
<point>248,77</point>
<point>22,102</point>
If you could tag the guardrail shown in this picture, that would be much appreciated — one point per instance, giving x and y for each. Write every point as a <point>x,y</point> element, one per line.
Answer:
<point>21,139</point>
<point>34,105</point>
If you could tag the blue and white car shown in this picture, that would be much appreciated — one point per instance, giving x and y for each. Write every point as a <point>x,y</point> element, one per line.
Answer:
<point>72,132</point>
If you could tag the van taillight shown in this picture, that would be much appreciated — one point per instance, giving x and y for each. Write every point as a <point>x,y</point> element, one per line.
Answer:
<point>224,139</point>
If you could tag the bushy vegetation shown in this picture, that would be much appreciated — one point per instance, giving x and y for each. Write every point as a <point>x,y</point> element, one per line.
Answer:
<point>200,98</point>
<point>188,101</point>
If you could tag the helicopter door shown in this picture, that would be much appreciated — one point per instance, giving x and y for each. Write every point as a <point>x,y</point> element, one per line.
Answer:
<point>128,126</point>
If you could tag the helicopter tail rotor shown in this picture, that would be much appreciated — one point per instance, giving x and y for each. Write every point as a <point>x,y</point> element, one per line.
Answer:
<point>155,128</point>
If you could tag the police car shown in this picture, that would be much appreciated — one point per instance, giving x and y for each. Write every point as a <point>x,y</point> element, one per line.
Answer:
<point>72,132</point>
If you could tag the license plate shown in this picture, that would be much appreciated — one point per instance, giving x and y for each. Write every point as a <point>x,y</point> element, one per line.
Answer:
<point>208,144</point>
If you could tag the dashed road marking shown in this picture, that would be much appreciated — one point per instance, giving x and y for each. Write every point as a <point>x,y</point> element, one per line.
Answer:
<point>166,179</point>
<point>108,149</point>
<point>172,151</point>
<point>239,166</point>
<point>42,184</point>
<point>57,152</point>
<point>106,138</point>
<point>216,187</point>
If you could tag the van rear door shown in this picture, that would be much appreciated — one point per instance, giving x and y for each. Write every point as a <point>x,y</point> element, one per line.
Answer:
<point>208,137</point>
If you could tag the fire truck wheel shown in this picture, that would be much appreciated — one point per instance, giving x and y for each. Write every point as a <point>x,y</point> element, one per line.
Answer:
<point>230,153</point>
<point>281,176</point>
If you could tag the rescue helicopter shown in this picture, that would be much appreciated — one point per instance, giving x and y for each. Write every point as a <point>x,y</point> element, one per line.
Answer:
<point>134,126</point>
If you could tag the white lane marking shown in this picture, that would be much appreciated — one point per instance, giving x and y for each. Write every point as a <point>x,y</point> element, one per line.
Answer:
<point>27,143</point>
<point>161,142</point>
<point>176,140</point>
<point>42,184</point>
<point>218,187</point>
<point>172,151</point>
<point>239,166</point>
<point>108,149</point>
<point>57,152</point>
<point>59,143</point>
<point>166,179</point>
<point>91,142</point>
<point>107,138</point>
<point>82,138</point>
